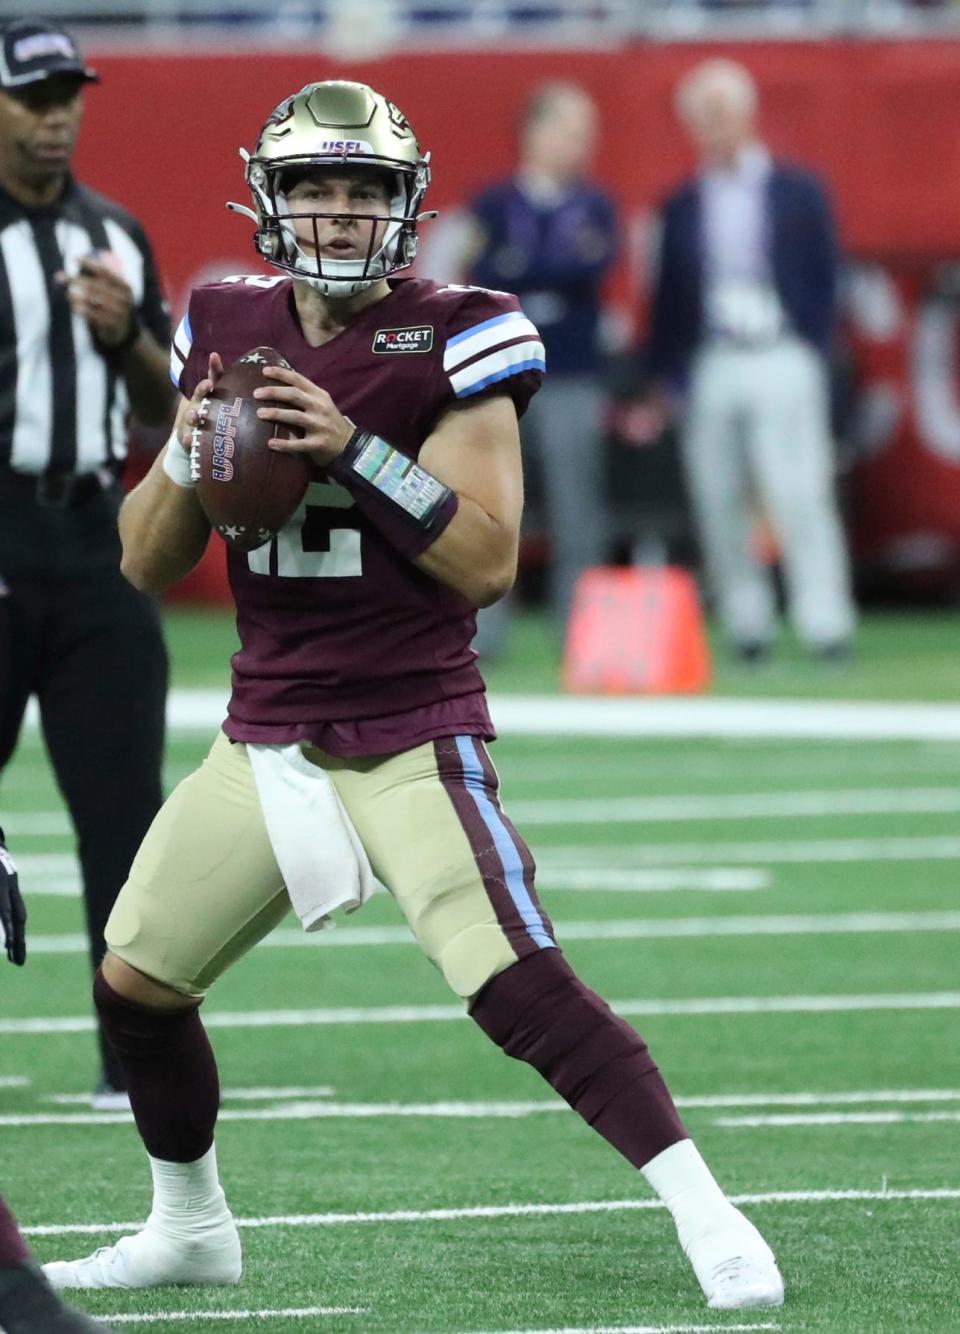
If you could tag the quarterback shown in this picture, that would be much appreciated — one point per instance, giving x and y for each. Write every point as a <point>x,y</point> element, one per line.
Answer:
<point>355,673</point>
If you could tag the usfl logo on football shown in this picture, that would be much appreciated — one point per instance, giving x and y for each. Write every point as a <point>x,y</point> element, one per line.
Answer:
<point>224,440</point>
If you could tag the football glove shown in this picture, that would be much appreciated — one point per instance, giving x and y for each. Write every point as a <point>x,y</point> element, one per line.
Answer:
<point>13,914</point>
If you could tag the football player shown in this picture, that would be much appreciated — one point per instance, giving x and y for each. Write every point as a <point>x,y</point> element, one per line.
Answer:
<point>28,1305</point>
<point>355,625</point>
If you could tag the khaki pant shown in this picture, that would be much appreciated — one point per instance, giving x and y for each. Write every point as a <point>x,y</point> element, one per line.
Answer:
<point>205,886</point>
<point>758,430</point>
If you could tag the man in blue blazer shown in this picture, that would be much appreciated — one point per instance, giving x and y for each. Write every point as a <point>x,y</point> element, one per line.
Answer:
<point>742,320</point>
<point>549,234</point>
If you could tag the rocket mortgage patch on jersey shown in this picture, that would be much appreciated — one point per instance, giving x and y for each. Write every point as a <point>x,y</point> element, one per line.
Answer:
<point>416,338</point>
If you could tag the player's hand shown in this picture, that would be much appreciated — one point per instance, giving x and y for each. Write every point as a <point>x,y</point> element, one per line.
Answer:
<point>13,914</point>
<point>192,417</point>
<point>297,402</point>
<point>99,293</point>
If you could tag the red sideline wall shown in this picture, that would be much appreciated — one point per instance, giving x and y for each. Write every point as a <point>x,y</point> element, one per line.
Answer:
<point>879,120</point>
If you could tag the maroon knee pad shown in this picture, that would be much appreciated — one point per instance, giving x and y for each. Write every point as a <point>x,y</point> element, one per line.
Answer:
<point>170,1071</point>
<point>538,1011</point>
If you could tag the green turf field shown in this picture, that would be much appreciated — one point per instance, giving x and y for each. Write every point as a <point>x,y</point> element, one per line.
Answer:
<point>792,959</point>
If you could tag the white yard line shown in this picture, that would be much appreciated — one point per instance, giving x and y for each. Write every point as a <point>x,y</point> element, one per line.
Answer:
<point>502,1109</point>
<point>41,943</point>
<point>802,805</point>
<point>759,760</point>
<point>291,1313</point>
<point>627,865</point>
<point>14,1082</point>
<point>26,824</point>
<point>672,809</point>
<point>642,1329</point>
<point>837,1119</point>
<point>664,716</point>
<point>548,715</point>
<point>819,1099</point>
<point>56,873</point>
<point>232,1095</point>
<point>311,1111</point>
<point>47,863</point>
<point>780,1197</point>
<point>651,880</point>
<point>63,881</point>
<point>294,1107</point>
<point>800,924</point>
<point>417,1014</point>
<point>763,853</point>
<point>54,887</point>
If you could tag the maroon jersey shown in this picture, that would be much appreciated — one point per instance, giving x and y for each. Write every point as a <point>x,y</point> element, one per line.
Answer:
<point>343,641</point>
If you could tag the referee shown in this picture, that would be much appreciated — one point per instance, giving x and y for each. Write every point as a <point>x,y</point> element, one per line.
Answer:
<point>83,338</point>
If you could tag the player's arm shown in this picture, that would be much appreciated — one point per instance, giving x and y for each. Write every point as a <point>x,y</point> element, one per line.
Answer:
<point>455,513</point>
<point>163,529</point>
<point>475,452</point>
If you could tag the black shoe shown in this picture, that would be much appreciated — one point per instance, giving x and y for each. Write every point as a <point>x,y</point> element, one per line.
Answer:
<point>28,1305</point>
<point>108,1097</point>
<point>752,654</point>
<point>838,653</point>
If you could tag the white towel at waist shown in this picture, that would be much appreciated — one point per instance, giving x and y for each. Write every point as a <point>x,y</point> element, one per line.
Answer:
<point>316,846</point>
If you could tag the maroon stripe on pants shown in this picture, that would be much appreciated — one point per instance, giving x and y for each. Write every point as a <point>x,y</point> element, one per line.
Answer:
<point>523,851</point>
<point>485,854</point>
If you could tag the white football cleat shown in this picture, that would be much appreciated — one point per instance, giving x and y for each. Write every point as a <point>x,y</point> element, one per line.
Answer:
<point>153,1258</point>
<point>735,1267</point>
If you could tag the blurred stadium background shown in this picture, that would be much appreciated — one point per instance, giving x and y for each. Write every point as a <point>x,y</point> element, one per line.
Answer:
<point>818,990</point>
<point>867,92</point>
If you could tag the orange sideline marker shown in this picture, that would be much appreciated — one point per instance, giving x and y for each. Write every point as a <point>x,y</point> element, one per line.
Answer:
<point>636,631</point>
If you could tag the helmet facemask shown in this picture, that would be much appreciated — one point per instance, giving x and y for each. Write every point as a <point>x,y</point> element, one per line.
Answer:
<point>393,237</point>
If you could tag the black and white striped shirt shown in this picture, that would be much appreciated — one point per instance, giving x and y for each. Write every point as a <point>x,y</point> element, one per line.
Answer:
<point>63,405</point>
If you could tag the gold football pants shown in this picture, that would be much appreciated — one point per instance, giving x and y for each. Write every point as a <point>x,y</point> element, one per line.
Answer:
<point>205,886</point>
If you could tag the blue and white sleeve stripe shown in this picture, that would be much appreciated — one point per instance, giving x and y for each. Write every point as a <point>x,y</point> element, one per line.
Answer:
<point>499,365</point>
<point>180,349</point>
<point>501,329</point>
<point>496,348</point>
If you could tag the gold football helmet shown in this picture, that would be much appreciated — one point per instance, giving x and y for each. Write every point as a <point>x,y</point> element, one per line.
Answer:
<point>336,124</point>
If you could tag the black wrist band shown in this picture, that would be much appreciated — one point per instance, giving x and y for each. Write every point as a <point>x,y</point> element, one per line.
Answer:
<point>374,462</point>
<point>408,506</point>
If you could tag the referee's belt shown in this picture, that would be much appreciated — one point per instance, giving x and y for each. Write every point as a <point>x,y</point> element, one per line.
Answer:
<point>63,490</point>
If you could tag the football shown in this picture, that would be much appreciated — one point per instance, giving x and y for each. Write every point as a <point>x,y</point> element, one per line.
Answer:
<point>248,491</point>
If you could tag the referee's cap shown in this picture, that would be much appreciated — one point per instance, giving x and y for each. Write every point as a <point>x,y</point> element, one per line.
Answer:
<point>31,50</point>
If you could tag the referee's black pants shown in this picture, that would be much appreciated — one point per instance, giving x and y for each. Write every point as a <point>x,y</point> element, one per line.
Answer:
<point>90,647</point>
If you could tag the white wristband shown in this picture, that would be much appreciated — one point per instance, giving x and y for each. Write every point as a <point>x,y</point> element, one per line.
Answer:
<point>176,463</point>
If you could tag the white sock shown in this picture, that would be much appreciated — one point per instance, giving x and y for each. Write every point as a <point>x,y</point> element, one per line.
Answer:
<point>687,1187</point>
<point>187,1196</point>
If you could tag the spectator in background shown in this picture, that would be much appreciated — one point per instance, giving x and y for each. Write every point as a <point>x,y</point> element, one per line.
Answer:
<point>549,235</point>
<point>84,335</point>
<point>742,322</point>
